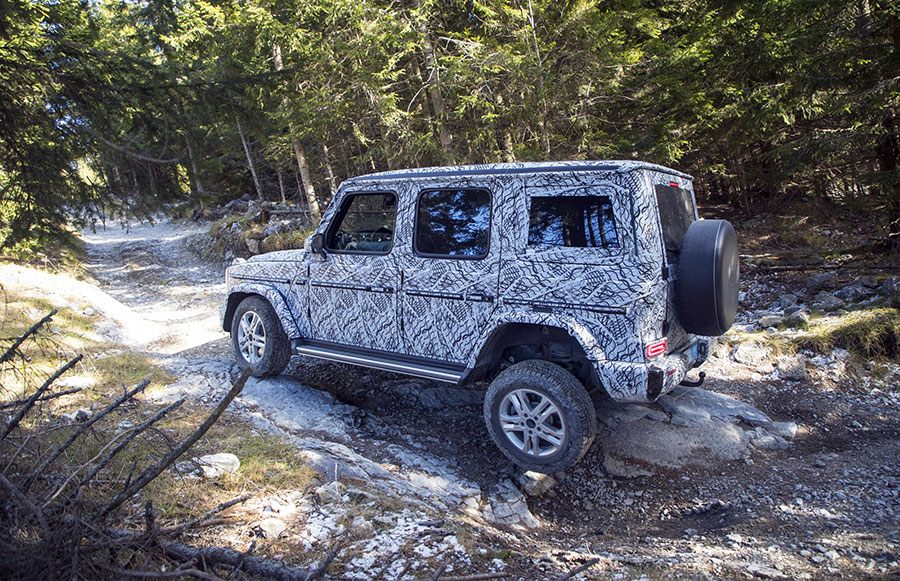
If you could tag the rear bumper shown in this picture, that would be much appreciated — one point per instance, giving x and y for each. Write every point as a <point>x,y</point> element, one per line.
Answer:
<point>644,382</point>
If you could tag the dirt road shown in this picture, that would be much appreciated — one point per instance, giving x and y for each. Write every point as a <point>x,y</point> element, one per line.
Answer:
<point>810,491</point>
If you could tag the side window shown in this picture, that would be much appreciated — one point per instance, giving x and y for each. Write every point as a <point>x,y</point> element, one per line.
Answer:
<point>453,223</point>
<point>365,223</point>
<point>574,221</point>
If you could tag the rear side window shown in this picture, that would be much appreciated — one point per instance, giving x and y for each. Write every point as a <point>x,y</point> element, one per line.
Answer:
<point>676,212</point>
<point>575,221</point>
<point>453,223</point>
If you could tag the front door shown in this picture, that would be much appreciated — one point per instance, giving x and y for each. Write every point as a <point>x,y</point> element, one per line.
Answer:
<point>353,287</point>
<point>450,271</point>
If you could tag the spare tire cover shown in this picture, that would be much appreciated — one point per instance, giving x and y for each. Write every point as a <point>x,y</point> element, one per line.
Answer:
<point>706,291</point>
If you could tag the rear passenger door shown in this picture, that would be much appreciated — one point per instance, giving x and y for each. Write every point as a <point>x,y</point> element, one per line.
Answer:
<point>450,271</point>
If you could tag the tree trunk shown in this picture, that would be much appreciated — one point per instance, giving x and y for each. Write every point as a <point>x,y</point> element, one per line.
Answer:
<point>281,187</point>
<point>309,190</point>
<point>259,192</point>
<point>432,83</point>
<point>197,185</point>
<point>332,182</point>
<point>542,101</point>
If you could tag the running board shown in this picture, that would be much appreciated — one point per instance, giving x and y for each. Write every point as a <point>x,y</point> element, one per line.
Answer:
<point>424,370</point>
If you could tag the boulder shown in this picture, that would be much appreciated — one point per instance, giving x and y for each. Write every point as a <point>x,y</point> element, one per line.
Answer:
<point>508,507</point>
<point>787,300</point>
<point>535,484</point>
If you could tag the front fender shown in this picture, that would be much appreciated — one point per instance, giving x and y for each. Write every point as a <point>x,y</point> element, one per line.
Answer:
<point>279,303</point>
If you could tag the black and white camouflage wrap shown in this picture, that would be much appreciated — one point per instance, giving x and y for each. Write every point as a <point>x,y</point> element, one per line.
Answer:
<point>612,301</point>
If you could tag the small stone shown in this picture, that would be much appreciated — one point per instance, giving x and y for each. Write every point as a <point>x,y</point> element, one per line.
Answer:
<point>853,293</point>
<point>88,312</point>
<point>361,528</point>
<point>214,465</point>
<point>787,300</point>
<point>797,320</point>
<point>821,281</point>
<point>770,321</point>
<point>791,367</point>
<point>331,492</point>
<point>890,286</point>
<point>818,559</point>
<point>690,532</point>
<point>793,309</point>
<point>751,354</point>
<point>831,555</point>
<point>253,245</point>
<point>270,528</point>
<point>80,415</point>
<point>828,303</point>
<point>536,484</point>
<point>868,281</point>
<point>735,538</point>
<point>187,467</point>
<point>805,553</point>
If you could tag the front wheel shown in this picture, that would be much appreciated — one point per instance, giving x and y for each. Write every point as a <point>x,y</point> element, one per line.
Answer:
<point>540,416</point>
<point>258,339</point>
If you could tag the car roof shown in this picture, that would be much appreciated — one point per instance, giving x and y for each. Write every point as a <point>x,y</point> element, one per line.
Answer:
<point>532,167</point>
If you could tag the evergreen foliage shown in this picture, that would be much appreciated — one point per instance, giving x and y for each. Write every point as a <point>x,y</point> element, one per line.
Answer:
<point>122,106</point>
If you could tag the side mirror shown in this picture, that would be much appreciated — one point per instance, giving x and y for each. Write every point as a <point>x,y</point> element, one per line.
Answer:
<point>318,244</point>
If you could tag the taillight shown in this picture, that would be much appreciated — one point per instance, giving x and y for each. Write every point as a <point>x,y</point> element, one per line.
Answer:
<point>656,348</point>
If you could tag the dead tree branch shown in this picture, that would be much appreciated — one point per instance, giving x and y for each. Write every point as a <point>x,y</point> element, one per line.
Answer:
<point>153,471</point>
<point>18,342</point>
<point>49,396</point>
<point>36,395</point>
<point>84,427</point>
<point>581,569</point>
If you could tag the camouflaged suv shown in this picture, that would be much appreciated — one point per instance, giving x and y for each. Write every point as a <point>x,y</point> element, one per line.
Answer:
<point>544,281</point>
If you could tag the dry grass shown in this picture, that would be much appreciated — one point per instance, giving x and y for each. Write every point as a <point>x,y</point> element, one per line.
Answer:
<point>867,333</point>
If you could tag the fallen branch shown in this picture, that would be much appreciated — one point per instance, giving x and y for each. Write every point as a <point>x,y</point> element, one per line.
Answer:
<point>221,556</point>
<point>437,574</point>
<point>153,471</point>
<point>49,396</point>
<point>581,569</point>
<point>135,432</point>
<point>320,569</point>
<point>202,518</point>
<point>160,574</point>
<point>84,427</point>
<point>12,349</point>
<point>36,395</point>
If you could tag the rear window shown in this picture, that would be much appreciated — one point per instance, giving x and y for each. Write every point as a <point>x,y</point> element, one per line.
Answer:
<point>453,223</point>
<point>676,212</point>
<point>574,221</point>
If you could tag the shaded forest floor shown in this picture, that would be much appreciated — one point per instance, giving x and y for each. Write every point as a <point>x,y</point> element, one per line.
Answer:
<point>401,473</point>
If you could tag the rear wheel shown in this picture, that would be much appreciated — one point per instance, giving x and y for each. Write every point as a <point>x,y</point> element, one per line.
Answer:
<point>540,416</point>
<point>258,339</point>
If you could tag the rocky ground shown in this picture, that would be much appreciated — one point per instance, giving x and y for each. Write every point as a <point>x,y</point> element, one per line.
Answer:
<point>779,467</point>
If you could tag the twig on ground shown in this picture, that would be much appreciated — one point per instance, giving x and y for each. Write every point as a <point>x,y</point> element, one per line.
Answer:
<point>15,346</point>
<point>578,570</point>
<point>320,569</point>
<point>153,471</point>
<point>437,574</point>
<point>173,530</point>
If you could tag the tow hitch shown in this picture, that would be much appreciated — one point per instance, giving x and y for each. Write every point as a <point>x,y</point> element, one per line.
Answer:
<point>698,383</point>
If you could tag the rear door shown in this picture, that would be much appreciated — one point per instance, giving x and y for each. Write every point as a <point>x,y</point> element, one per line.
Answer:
<point>450,270</point>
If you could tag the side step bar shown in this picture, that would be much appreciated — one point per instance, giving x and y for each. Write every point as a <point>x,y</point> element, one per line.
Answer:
<point>415,369</point>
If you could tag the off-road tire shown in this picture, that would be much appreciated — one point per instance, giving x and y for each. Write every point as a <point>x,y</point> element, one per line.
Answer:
<point>277,351</point>
<point>565,392</point>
